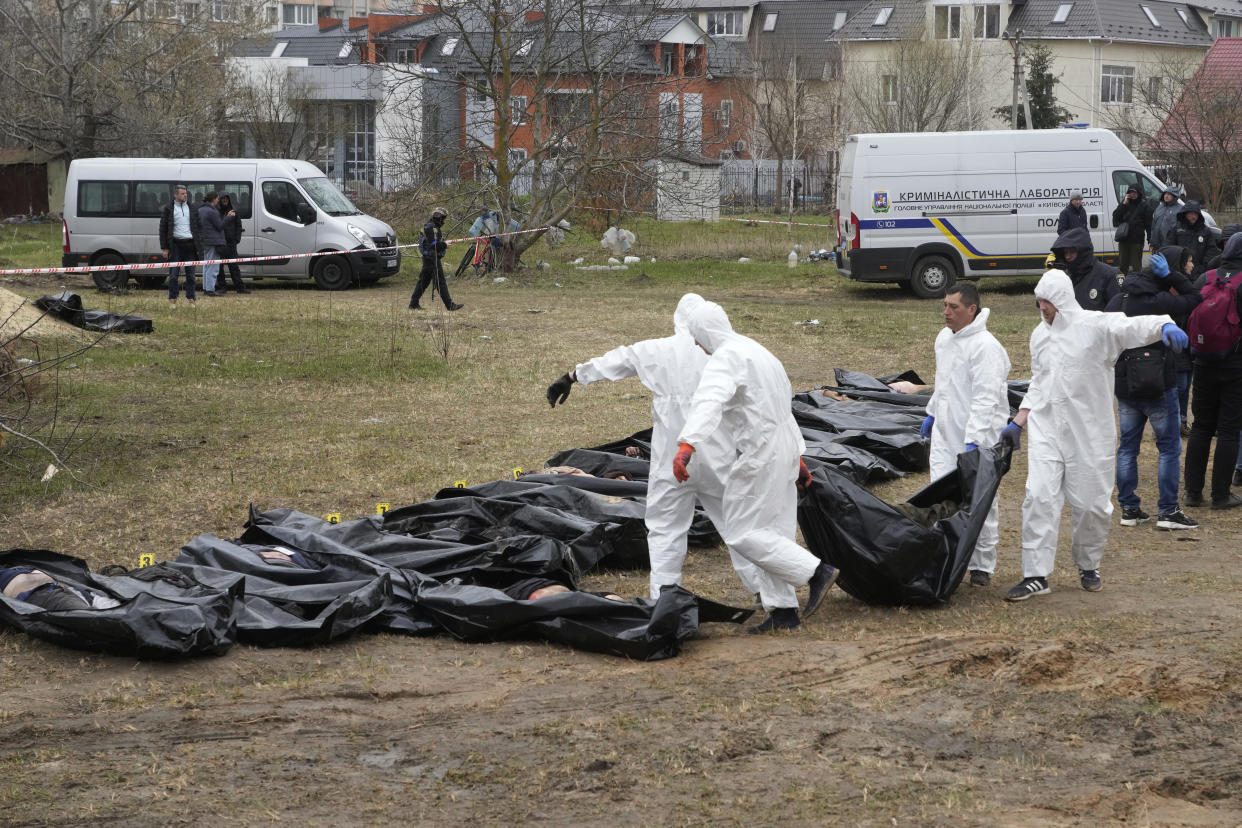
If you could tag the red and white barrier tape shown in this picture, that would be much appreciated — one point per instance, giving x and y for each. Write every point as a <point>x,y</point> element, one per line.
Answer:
<point>26,271</point>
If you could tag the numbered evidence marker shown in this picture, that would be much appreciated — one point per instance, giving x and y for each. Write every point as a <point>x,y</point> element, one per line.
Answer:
<point>460,484</point>
<point>335,517</point>
<point>381,508</point>
<point>146,559</point>
<point>517,472</point>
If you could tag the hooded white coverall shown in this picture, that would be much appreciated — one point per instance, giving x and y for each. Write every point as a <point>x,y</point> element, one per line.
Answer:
<point>745,395</point>
<point>971,405</point>
<point>1071,433</point>
<point>670,368</point>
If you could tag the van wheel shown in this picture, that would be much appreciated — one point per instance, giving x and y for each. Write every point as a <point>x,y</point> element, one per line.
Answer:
<point>932,276</point>
<point>333,273</point>
<point>151,282</point>
<point>109,279</point>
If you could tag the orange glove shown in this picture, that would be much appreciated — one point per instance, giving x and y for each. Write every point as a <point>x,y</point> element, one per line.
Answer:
<point>684,450</point>
<point>804,475</point>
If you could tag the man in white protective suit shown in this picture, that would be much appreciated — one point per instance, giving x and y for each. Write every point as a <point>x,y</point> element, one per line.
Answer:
<point>970,405</point>
<point>670,368</point>
<point>745,395</point>
<point>1073,438</point>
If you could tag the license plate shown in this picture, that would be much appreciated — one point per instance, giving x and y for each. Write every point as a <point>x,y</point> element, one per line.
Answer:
<point>390,263</point>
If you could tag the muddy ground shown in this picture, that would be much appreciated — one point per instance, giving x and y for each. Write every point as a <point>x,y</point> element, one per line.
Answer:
<point>1072,708</point>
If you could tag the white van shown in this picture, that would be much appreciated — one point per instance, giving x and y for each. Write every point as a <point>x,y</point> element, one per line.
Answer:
<point>113,205</point>
<point>926,209</point>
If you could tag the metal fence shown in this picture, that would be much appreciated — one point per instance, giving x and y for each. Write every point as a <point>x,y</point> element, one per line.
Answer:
<point>749,186</point>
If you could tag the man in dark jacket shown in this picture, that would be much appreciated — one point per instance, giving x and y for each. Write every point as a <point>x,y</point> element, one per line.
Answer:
<point>1192,233</point>
<point>180,232</point>
<point>431,246</point>
<point>232,237</point>
<point>1146,388</point>
<point>1095,283</point>
<point>1216,403</point>
<point>1163,220</point>
<point>213,236</point>
<point>1072,215</point>
<point>1133,213</point>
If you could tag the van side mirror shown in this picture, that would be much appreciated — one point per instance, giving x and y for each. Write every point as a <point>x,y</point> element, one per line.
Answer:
<point>1094,221</point>
<point>306,213</point>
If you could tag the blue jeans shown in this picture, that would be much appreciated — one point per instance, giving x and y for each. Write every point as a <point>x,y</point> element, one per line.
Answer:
<point>210,271</point>
<point>181,253</point>
<point>1163,414</point>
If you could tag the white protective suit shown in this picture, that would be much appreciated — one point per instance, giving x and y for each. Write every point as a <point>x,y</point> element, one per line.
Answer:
<point>1071,433</point>
<point>971,405</point>
<point>745,395</point>
<point>670,368</point>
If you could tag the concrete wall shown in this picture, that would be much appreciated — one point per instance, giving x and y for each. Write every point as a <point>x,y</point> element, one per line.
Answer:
<point>686,191</point>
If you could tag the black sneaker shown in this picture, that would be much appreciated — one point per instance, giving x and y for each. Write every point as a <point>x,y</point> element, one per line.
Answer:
<point>778,619</point>
<point>821,581</point>
<point>1176,519</point>
<point>1230,501</point>
<point>455,306</point>
<point>1133,516</point>
<point>980,578</point>
<point>1192,499</point>
<point>415,306</point>
<point>1090,580</point>
<point>1026,588</point>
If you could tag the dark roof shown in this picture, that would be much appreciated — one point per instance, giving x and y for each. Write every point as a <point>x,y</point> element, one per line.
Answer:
<point>1222,8</point>
<point>1117,20</point>
<point>803,28</point>
<point>319,48</point>
<point>906,15</point>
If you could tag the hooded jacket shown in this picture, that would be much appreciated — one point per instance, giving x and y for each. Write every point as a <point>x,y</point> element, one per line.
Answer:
<point>1163,220</point>
<point>1095,283</point>
<point>1146,294</point>
<point>1195,236</point>
<point>971,400</point>
<point>232,226</point>
<point>1070,398</point>
<point>1136,217</point>
<point>1072,217</point>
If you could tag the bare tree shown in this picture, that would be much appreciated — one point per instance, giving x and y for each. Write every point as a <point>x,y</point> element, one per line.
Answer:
<point>560,100</point>
<point>1186,114</point>
<point>274,110</point>
<point>921,85</point>
<point>92,77</point>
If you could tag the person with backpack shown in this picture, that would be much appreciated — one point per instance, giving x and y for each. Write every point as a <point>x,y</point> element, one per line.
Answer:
<point>1145,382</point>
<point>1133,222</point>
<point>1216,402</point>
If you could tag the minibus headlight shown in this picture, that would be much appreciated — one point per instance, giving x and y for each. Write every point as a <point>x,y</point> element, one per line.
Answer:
<point>361,235</point>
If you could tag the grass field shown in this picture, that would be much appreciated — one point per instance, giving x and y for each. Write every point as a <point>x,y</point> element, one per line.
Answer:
<point>1083,709</point>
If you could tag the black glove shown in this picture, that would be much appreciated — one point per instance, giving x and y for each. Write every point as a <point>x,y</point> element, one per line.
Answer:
<point>1011,435</point>
<point>558,391</point>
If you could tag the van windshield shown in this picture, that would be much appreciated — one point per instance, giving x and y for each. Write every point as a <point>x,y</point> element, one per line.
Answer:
<point>329,198</point>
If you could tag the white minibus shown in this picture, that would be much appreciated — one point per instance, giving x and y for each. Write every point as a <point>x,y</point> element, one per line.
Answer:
<point>113,205</point>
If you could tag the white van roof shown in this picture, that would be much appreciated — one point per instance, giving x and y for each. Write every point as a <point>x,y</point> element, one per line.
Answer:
<point>290,166</point>
<point>1019,140</point>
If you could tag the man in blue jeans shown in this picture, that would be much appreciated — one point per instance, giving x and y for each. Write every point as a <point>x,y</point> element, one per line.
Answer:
<point>180,233</point>
<point>1147,392</point>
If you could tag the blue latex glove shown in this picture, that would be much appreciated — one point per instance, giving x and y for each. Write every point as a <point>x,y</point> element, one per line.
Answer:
<point>1159,266</point>
<point>1011,435</point>
<point>971,447</point>
<point>926,427</point>
<point>1174,337</point>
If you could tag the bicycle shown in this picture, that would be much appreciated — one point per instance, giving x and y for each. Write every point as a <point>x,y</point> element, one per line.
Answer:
<point>481,256</point>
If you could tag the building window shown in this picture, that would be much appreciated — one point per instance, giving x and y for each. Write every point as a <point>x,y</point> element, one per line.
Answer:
<point>725,114</point>
<point>882,16</point>
<point>1153,88</point>
<point>1186,20</point>
<point>1117,85</point>
<point>191,11</point>
<point>888,87</point>
<point>838,21</point>
<point>1226,28</point>
<point>728,24</point>
<point>987,21</point>
<point>769,22</point>
<point>449,46</point>
<point>298,15</point>
<point>524,49</point>
<point>1062,14</point>
<point>273,15</point>
<point>948,22</point>
<point>406,54</point>
<point>517,109</point>
<point>345,49</point>
<point>223,10</point>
